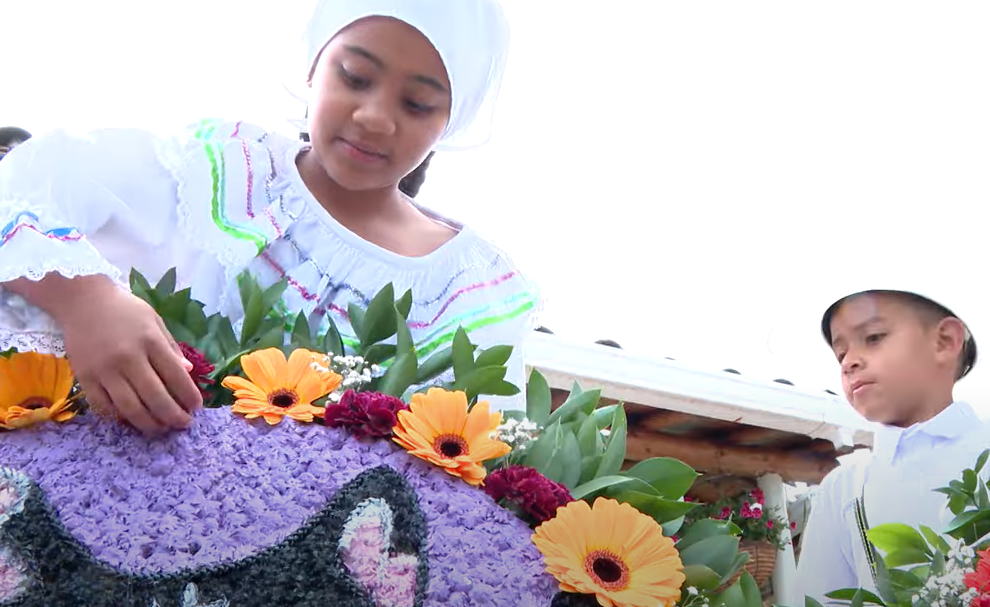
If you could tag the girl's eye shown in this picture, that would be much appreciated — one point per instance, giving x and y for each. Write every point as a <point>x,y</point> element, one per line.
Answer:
<point>418,108</point>
<point>352,80</point>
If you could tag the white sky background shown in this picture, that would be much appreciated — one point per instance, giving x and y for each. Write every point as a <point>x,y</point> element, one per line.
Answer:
<point>687,178</point>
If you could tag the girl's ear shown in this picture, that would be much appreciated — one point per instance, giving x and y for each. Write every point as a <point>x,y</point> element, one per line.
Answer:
<point>390,579</point>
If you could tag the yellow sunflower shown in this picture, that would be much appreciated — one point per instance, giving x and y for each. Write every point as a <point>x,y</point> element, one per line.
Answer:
<point>438,428</point>
<point>34,388</point>
<point>613,551</point>
<point>277,388</point>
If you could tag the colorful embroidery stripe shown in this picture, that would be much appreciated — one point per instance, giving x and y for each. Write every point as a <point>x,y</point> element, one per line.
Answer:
<point>445,334</point>
<point>24,221</point>
<point>218,202</point>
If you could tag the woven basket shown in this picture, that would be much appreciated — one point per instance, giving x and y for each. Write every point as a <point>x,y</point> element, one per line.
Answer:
<point>762,559</point>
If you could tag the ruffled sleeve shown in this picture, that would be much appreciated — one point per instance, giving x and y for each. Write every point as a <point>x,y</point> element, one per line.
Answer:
<point>76,204</point>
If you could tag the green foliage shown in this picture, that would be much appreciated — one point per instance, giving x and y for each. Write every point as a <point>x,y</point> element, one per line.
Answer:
<point>382,331</point>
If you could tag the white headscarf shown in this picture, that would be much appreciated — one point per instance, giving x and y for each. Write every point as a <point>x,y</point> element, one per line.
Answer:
<point>471,36</point>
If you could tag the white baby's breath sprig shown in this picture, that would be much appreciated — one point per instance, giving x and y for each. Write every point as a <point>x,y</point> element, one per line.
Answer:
<point>518,434</point>
<point>354,370</point>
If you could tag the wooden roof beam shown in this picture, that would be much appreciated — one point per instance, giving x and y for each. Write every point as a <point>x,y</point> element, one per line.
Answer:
<point>714,458</point>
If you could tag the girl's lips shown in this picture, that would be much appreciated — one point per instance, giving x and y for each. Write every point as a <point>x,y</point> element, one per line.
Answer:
<point>361,153</point>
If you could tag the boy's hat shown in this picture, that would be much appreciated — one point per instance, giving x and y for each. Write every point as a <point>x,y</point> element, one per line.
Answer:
<point>969,347</point>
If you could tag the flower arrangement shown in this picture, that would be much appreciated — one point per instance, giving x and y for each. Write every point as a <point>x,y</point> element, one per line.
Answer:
<point>923,568</point>
<point>748,510</point>
<point>609,536</point>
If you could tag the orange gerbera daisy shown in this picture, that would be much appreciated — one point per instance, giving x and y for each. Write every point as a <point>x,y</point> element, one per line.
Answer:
<point>438,428</point>
<point>34,388</point>
<point>613,551</point>
<point>276,388</point>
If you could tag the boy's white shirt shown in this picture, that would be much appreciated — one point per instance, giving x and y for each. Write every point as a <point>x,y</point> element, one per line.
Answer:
<point>905,467</point>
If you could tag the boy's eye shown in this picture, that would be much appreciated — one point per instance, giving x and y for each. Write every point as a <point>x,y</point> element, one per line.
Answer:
<point>875,338</point>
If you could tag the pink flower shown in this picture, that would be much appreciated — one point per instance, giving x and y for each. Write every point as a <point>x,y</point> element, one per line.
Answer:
<point>757,495</point>
<point>793,525</point>
<point>525,487</point>
<point>725,514</point>
<point>770,524</point>
<point>365,414</point>
<point>201,367</point>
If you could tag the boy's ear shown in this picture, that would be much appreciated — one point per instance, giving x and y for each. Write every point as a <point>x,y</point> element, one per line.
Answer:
<point>950,339</point>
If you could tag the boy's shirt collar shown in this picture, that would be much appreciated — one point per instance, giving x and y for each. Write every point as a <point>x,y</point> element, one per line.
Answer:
<point>955,421</point>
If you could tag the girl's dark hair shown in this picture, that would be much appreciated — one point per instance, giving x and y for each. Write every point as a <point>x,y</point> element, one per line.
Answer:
<point>411,183</point>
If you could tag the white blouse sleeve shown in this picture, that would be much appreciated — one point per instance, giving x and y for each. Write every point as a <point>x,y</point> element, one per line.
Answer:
<point>60,195</point>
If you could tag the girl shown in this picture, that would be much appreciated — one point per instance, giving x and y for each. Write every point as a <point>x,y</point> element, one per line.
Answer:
<point>390,81</point>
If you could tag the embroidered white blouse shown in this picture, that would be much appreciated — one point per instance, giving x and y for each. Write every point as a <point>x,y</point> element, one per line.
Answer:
<point>900,477</point>
<point>215,201</point>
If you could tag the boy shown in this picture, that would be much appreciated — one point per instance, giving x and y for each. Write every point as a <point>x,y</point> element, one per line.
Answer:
<point>900,355</point>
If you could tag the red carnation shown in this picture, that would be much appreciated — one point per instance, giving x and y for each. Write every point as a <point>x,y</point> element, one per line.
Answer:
<point>365,414</point>
<point>525,487</point>
<point>201,367</point>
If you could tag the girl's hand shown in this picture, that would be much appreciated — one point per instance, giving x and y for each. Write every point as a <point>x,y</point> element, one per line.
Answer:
<point>124,357</point>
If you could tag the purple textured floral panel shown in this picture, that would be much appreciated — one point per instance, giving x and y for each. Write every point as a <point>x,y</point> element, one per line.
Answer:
<point>239,514</point>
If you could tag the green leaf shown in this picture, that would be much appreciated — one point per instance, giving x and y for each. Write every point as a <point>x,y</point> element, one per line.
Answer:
<point>538,398</point>
<point>662,510</point>
<point>982,499</point>
<point>894,537</point>
<point>935,540</point>
<point>301,335</point>
<point>598,484</point>
<point>603,416</point>
<point>254,313</point>
<point>379,353</point>
<point>356,315</point>
<point>494,356</point>
<point>166,286</point>
<point>670,477</point>
<point>404,343</point>
<point>577,402</point>
<point>435,366</point>
<point>246,286</point>
<point>180,333</point>
<point>967,519</point>
<point>589,466</point>
<point>195,319</point>
<point>906,556</point>
<point>475,382</point>
<point>810,602</point>
<point>982,461</point>
<point>565,464</point>
<point>969,480</point>
<point>706,528</point>
<point>615,449</point>
<point>273,294</point>
<point>379,319</point>
<point>716,552</point>
<point>701,577</point>
<point>139,284</point>
<point>501,388</point>
<point>589,438</point>
<point>399,376</point>
<point>404,304</point>
<point>538,454</point>
<point>847,594</point>
<point>274,337</point>
<point>332,343</point>
<point>224,334</point>
<point>463,354</point>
